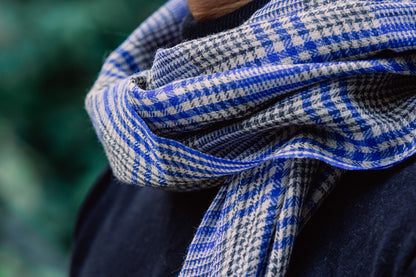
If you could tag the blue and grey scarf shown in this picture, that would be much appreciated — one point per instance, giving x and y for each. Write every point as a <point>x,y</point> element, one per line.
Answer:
<point>273,111</point>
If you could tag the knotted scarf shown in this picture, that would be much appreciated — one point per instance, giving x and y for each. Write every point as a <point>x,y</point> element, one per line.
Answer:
<point>273,111</point>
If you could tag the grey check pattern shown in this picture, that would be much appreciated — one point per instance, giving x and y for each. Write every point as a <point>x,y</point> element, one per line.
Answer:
<point>274,111</point>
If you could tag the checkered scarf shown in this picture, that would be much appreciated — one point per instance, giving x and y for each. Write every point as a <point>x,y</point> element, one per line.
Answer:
<point>273,111</point>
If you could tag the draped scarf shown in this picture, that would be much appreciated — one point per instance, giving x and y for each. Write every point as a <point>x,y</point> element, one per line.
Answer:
<point>273,111</point>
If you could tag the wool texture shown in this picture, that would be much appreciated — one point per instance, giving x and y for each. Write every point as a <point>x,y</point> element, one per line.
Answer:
<point>273,111</point>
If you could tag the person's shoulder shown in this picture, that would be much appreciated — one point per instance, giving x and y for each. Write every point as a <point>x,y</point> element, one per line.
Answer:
<point>367,226</point>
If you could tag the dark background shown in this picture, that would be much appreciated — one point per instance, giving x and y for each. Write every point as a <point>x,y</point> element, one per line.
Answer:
<point>50,55</point>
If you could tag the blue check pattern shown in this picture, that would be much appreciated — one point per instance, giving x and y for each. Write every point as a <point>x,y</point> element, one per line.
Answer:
<point>274,111</point>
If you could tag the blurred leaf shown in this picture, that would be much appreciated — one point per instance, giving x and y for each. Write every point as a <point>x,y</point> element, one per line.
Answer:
<point>50,54</point>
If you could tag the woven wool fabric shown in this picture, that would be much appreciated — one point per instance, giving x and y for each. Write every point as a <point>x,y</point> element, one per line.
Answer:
<point>273,111</point>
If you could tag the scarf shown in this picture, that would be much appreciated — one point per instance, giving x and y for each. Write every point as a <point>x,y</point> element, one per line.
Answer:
<point>273,111</point>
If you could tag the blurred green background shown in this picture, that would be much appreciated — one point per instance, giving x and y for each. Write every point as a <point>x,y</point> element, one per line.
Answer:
<point>50,55</point>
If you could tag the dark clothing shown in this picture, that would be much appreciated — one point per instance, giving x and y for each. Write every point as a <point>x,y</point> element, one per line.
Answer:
<point>366,227</point>
<point>125,230</point>
<point>191,29</point>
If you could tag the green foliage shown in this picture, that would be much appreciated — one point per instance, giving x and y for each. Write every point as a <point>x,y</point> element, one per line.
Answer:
<point>50,54</point>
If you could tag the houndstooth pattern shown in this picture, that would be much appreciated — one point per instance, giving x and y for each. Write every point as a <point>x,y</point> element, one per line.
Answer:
<point>274,111</point>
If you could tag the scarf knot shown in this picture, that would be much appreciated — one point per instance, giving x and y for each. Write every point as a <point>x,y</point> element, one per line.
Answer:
<point>273,111</point>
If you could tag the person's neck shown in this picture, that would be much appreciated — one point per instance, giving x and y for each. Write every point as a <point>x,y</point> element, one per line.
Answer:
<point>212,9</point>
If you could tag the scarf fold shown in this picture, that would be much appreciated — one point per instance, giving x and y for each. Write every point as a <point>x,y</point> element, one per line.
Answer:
<point>273,111</point>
